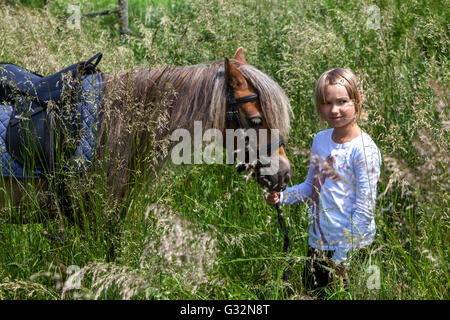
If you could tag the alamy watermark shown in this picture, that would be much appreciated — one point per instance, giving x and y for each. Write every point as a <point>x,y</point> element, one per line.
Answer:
<point>74,20</point>
<point>373,281</point>
<point>252,147</point>
<point>373,21</point>
<point>73,282</point>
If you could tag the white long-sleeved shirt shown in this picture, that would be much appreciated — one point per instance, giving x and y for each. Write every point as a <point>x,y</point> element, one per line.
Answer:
<point>341,183</point>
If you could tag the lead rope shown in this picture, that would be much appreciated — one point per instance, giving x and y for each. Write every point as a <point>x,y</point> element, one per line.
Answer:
<point>232,114</point>
<point>286,241</point>
<point>284,228</point>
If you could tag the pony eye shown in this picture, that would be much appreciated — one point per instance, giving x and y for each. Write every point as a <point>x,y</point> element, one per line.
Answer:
<point>255,121</point>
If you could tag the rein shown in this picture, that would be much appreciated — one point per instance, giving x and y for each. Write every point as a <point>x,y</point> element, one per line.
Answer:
<point>232,114</point>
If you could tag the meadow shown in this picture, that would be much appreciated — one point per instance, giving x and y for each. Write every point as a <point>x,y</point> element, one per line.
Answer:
<point>204,231</point>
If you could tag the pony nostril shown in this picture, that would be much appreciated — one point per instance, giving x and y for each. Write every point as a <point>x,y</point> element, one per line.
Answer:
<point>287,178</point>
<point>282,182</point>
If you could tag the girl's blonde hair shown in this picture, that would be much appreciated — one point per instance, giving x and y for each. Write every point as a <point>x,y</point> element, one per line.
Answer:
<point>344,77</point>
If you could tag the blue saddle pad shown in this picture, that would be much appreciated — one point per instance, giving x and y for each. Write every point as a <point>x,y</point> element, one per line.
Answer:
<point>89,108</point>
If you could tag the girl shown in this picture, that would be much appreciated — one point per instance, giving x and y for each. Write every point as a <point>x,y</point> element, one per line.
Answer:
<point>341,181</point>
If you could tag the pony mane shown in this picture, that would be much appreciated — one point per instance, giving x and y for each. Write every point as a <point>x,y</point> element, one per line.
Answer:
<point>199,94</point>
<point>143,106</point>
<point>274,102</point>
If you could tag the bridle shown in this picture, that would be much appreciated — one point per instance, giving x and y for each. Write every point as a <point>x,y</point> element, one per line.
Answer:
<point>232,114</point>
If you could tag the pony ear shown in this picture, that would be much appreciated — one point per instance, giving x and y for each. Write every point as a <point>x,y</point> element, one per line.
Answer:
<point>233,76</point>
<point>239,56</point>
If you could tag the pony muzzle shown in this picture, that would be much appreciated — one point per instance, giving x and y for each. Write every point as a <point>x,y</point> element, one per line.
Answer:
<point>277,181</point>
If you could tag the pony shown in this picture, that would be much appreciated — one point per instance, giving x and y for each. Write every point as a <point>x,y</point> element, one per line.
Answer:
<point>141,108</point>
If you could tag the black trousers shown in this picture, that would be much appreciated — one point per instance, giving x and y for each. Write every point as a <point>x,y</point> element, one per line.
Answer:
<point>316,274</point>
<point>319,266</point>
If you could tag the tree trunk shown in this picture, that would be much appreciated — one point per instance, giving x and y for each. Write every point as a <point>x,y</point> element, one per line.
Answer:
<point>123,17</point>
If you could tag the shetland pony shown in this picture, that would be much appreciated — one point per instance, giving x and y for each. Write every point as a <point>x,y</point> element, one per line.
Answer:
<point>141,108</point>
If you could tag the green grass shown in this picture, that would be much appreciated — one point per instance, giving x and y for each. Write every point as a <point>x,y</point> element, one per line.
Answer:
<point>203,232</point>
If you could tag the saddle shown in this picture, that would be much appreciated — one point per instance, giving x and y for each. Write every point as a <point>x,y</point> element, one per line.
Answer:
<point>44,112</point>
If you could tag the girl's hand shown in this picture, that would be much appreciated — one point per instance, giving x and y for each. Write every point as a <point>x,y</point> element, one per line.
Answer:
<point>272,198</point>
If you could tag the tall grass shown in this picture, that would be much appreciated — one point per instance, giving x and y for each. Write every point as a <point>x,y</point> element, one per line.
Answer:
<point>204,232</point>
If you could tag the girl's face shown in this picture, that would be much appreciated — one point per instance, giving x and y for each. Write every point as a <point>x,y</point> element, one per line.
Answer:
<point>338,109</point>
